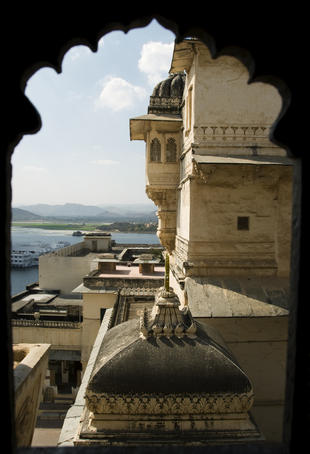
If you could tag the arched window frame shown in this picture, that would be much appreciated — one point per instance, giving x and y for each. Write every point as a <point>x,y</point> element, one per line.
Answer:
<point>171,141</point>
<point>155,152</point>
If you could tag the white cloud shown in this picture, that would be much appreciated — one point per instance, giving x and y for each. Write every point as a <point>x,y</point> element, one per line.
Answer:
<point>118,94</point>
<point>104,162</point>
<point>155,61</point>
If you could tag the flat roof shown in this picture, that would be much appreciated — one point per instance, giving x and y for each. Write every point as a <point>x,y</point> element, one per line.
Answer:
<point>140,125</point>
<point>251,160</point>
<point>237,297</point>
<point>36,297</point>
<point>132,272</point>
<point>83,289</point>
<point>121,272</point>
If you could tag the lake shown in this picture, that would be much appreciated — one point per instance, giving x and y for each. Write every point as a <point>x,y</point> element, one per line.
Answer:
<point>22,237</point>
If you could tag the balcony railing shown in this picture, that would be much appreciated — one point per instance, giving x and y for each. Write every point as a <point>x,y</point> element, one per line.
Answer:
<point>46,323</point>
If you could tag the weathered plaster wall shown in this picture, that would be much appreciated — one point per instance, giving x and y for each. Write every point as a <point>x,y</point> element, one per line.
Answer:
<point>57,337</point>
<point>223,93</point>
<point>92,303</point>
<point>260,346</point>
<point>207,220</point>
<point>62,273</point>
<point>29,376</point>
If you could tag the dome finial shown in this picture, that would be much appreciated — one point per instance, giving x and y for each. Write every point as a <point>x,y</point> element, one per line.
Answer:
<point>167,319</point>
<point>167,272</point>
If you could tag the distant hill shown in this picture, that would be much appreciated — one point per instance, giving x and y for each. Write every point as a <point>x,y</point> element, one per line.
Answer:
<point>103,213</point>
<point>67,209</point>
<point>24,215</point>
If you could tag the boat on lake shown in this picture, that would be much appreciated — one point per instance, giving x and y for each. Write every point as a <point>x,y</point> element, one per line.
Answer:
<point>28,256</point>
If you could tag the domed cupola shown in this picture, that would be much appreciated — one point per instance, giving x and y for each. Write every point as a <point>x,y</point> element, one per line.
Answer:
<point>167,95</point>
<point>167,378</point>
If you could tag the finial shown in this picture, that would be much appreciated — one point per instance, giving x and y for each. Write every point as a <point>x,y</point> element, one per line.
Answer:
<point>166,319</point>
<point>167,283</point>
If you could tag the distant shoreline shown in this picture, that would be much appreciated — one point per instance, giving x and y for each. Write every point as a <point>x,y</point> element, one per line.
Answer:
<point>76,227</point>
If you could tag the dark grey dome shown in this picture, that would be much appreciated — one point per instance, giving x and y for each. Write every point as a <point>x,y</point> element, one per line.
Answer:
<point>129,364</point>
<point>172,87</point>
<point>167,95</point>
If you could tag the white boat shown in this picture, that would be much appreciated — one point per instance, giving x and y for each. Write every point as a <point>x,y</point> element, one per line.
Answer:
<point>28,255</point>
<point>22,259</point>
<point>25,258</point>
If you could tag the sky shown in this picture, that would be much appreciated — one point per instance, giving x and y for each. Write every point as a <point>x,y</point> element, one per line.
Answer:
<point>83,153</point>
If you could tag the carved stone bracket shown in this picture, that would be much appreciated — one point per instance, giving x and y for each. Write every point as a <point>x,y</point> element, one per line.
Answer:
<point>165,200</point>
<point>202,174</point>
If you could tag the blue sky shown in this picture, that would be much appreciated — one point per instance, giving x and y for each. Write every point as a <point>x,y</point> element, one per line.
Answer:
<point>83,153</point>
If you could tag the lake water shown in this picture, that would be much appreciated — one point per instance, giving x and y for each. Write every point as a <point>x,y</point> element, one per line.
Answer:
<point>26,237</point>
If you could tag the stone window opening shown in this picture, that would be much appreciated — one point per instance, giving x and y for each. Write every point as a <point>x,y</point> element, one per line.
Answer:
<point>171,150</point>
<point>243,223</point>
<point>155,151</point>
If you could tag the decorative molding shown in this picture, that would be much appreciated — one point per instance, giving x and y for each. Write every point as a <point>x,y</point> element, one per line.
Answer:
<point>165,105</point>
<point>236,135</point>
<point>46,324</point>
<point>168,404</point>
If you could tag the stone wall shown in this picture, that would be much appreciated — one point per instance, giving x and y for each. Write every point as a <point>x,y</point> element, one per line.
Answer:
<point>29,375</point>
<point>62,272</point>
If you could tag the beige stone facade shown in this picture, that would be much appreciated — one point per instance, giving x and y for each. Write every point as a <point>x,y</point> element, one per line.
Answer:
<point>30,364</point>
<point>223,191</point>
<point>62,269</point>
<point>224,209</point>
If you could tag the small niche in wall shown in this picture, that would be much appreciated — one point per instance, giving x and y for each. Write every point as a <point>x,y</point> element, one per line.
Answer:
<point>243,223</point>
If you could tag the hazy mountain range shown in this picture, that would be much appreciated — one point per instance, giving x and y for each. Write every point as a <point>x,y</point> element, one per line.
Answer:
<point>69,211</point>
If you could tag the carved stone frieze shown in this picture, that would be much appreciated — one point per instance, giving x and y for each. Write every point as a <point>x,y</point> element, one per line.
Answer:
<point>238,135</point>
<point>169,404</point>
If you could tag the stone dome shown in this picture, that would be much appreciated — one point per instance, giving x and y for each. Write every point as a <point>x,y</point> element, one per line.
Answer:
<point>172,87</point>
<point>129,365</point>
<point>166,352</point>
<point>166,378</point>
<point>167,95</point>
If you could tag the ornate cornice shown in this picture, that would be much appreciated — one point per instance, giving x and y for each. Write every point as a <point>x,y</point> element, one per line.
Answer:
<point>169,404</point>
<point>233,135</point>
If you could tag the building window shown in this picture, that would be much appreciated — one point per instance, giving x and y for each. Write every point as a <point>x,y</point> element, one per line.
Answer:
<point>243,223</point>
<point>171,150</point>
<point>155,151</point>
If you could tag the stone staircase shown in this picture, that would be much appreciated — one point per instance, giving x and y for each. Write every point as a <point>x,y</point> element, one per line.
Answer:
<point>52,414</point>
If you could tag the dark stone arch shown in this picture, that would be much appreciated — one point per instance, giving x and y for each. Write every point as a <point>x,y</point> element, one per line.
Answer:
<point>35,38</point>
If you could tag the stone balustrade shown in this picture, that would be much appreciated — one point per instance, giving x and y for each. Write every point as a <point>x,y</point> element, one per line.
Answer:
<point>46,324</point>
